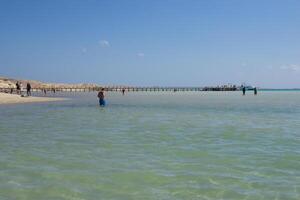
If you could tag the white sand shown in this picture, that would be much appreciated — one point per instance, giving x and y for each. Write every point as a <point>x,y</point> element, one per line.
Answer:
<point>13,98</point>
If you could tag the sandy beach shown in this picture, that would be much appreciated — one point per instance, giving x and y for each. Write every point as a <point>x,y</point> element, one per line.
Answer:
<point>14,98</point>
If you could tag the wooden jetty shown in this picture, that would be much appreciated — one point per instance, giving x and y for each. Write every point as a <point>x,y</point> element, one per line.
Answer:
<point>127,89</point>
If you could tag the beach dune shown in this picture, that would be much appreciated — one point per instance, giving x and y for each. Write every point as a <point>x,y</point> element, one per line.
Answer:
<point>14,98</point>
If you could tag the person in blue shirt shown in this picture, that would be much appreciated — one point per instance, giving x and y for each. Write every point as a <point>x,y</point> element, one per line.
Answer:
<point>101,97</point>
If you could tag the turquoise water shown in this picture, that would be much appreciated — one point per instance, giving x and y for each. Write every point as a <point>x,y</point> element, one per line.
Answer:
<point>185,145</point>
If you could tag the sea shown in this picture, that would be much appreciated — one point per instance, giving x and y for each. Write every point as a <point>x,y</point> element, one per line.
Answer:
<point>152,146</point>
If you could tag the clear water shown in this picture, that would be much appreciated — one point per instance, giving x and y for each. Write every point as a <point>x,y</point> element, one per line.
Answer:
<point>185,145</point>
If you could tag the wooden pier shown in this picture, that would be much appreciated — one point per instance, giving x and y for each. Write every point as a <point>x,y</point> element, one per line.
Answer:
<point>127,89</point>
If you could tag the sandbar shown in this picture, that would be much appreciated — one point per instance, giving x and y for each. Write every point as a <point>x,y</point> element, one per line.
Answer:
<point>6,98</point>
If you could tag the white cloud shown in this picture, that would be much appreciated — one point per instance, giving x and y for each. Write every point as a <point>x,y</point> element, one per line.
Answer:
<point>104,43</point>
<point>291,67</point>
<point>140,54</point>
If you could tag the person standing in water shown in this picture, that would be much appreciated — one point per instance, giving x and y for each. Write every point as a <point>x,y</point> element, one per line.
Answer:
<point>244,90</point>
<point>255,91</point>
<point>123,91</point>
<point>101,97</point>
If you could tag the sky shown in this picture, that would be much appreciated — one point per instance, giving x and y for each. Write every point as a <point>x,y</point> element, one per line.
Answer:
<point>152,42</point>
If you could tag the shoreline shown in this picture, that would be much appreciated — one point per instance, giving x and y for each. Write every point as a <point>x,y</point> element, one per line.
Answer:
<point>6,98</point>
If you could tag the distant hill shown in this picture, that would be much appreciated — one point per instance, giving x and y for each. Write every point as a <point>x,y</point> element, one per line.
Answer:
<point>11,83</point>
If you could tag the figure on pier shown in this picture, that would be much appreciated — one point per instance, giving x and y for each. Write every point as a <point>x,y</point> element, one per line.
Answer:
<point>255,91</point>
<point>244,90</point>
<point>28,89</point>
<point>18,86</point>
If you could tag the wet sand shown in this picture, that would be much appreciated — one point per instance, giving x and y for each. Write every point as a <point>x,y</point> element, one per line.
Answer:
<point>14,98</point>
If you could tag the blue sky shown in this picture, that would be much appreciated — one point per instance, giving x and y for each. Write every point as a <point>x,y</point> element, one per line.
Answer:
<point>155,42</point>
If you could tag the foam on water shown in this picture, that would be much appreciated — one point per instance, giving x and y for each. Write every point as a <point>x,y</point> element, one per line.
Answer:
<point>189,145</point>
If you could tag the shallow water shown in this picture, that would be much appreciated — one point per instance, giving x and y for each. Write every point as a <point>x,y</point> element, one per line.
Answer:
<point>184,145</point>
